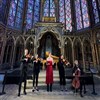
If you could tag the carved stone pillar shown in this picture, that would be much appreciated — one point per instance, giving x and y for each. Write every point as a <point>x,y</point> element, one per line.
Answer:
<point>3,49</point>
<point>13,56</point>
<point>62,46</point>
<point>93,54</point>
<point>83,57</point>
<point>73,52</point>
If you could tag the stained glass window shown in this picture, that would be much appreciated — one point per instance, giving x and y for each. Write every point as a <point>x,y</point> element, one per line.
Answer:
<point>95,11</point>
<point>49,8</point>
<point>68,17</point>
<point>61,11</point>
<point>78,14</point>
<point>65,13</point>
<point>16,13</point>
<point>36,11</point>
<point>33,13</point>
<point>85,14</point>
<point>82,17</point>
<point>52,8</point>
<point>2,9</point>
<point>46,8</point>
<point>29,15</point>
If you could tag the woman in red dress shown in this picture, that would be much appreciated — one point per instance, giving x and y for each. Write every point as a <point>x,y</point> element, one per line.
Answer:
<point>49,73</point>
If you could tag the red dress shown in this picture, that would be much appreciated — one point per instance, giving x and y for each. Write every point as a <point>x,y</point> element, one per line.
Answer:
<point>49,72</point>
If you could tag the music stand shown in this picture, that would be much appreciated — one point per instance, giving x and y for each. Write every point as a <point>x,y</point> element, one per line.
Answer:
<point>93,71</point>
<point>2,81</point>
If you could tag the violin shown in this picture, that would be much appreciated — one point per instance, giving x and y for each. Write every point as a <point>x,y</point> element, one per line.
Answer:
<point>76,80</point>
<point>28,56</point>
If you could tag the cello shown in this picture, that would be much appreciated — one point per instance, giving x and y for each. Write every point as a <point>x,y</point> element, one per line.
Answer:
<point>76,80</point>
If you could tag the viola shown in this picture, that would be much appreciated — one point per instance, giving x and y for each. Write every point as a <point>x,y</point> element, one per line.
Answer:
<point>76,80</point>
<point>28,56</point>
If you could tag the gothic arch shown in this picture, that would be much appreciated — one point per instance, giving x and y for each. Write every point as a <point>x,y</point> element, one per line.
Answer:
<point>19,48</point>
<point>77,47</point>
<point>8,52</point>
<point>87,48</point>
<point>30,44</point>
<point>20,38</point>
<point>48,42</point>
<point>12,37</point>
<point>77,39</point>
<point>54,32</point>
<point>68,49</point>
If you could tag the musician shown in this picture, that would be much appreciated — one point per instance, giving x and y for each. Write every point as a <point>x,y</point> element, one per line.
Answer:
<point>36,70</point>
<point>76,74</point>
<point>61,73</point>
<point>49,72</point>
<point>24,66</point>
<point>77,80</point>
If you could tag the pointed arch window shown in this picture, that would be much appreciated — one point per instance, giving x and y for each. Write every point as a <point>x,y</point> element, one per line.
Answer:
<point>65,13</point>
<point>16,13</point>
<point>68,17</point>
<point>49,8</point>
<point>61,11</point>
<point>33,13</point>
<point>29,15</point>
<point>95,11</point>
<point>82,17</point>
<point>36,11</point>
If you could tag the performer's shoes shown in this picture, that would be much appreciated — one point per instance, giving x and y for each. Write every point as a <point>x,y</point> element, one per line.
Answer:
<point>81,95</point>
<point>66,90</point>
<point>25,93</point>
<point>19,94</point>
<point>33,90</point>
<point>37,89</point>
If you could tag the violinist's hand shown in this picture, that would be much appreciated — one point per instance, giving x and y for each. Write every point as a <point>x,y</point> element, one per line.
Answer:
<point>26,59</point>
<point>73,74</point>
<point>63,60</point>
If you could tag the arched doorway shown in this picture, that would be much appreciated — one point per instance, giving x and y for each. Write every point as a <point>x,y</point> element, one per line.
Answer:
<point>7,58</point>
<point>48,42</point>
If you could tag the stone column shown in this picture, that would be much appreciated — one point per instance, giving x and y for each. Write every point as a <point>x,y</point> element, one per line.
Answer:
<point>91,15</point>
<point>35,46</point>
<point>93,54</point>
<point>73,52</point>
<point>57,10</point>
<point>62,46</point>
<point>3,49</point>
<point>83,56</point>
<point>13,57</point>
<point>41,10</point>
